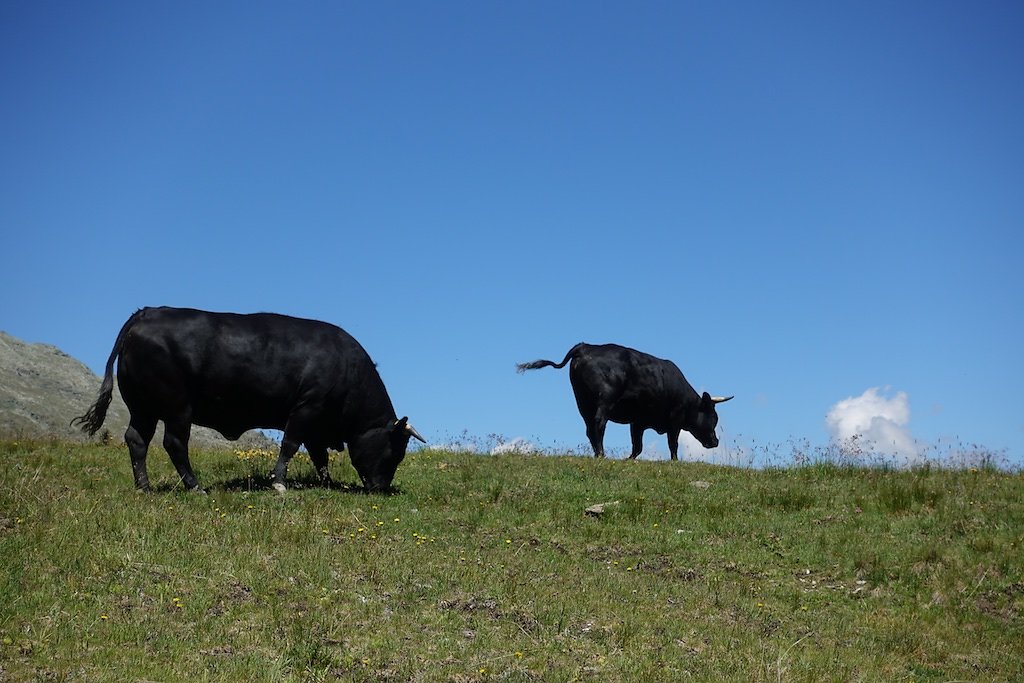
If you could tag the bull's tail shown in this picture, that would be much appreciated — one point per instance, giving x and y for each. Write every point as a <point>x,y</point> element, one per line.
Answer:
<point>93,418</point>
<point>537,364</point>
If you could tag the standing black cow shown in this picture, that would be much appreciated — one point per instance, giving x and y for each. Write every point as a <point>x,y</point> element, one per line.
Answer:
<point>234,372</point>
<point>627,386</point>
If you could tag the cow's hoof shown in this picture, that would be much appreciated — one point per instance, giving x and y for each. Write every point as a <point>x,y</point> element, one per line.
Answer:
<point>199,490</point>
<point>279,487</point>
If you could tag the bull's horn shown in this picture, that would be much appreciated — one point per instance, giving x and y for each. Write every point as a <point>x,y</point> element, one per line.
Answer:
<point>412,432</point>
<point>721,399</point>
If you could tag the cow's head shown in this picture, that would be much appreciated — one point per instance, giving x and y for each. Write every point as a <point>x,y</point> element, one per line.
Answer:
<point>703,419</point>
<point>376,453</point>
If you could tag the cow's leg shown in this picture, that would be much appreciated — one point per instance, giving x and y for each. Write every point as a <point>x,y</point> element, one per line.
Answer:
<point>318,454</point>
<point>595,421</point>
<point>176,434</point>
<point>595,432</point>
<point>673,444</point>
<point>137,436</point>
<point>290,442</point>
<point>636,435</point>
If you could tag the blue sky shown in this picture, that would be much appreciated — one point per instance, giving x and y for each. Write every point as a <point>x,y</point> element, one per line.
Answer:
<point>799,203</point>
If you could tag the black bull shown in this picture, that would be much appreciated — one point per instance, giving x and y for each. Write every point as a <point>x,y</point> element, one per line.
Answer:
<point>627,386</point>
<point>234,372</point>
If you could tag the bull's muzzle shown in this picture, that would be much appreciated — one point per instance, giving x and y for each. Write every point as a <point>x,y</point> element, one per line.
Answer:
<point>376,485</point>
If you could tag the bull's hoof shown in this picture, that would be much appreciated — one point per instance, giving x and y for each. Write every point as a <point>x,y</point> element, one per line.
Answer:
<point>198,490</point>
<point>279,487</point>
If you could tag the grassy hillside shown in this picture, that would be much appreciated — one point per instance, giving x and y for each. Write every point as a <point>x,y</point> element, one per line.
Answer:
<point>485,568</point>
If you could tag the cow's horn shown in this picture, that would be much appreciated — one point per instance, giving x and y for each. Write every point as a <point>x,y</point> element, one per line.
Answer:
<point>412,432</point>
<point>721,399</point>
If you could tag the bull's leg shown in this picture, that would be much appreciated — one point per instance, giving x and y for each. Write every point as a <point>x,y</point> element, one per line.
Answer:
<point>589,413</point>
<point>289,446</point>
<point>137,436</point>
<point>673,444</point>
<point>595,432</point>
<point>295,433</point>
<point>176,436</point>
<point>318,454</point>
<point>636,435</point>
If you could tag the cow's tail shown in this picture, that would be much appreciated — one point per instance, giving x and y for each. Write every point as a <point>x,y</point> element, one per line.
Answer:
<point>93,418</point>
<point>537,364</point>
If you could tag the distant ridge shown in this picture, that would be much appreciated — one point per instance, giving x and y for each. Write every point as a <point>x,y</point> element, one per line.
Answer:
<point>42,389</point>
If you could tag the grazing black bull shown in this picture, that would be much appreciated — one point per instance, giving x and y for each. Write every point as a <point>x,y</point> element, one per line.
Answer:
<point>626,386</point>
<point>234,372</point>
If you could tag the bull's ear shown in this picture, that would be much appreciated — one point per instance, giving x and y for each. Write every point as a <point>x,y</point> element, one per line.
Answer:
<point>402,426</point>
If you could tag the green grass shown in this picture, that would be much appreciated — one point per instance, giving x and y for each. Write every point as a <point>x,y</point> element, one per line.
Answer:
<point>485,568</point>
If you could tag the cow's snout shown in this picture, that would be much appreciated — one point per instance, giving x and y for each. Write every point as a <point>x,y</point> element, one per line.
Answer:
<point>377,485</point>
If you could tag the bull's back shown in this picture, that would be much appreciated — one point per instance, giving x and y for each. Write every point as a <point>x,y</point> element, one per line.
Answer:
<point>230,371</point>
<point>630,385</point>
<point>600,376</point>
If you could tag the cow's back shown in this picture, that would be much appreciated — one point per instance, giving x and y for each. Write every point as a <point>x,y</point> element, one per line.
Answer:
<point>233,372</point>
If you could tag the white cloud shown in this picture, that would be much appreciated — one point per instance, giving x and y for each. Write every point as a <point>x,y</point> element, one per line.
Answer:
<point>722,454</point>
<point>691,450</point>
<point>878,423</point>
<point>516,445</point>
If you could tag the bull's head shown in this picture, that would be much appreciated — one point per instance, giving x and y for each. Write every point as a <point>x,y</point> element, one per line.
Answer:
<point>377,453</point>
<point>704,420</point>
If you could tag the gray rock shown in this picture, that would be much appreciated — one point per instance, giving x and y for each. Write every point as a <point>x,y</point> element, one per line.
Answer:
<point>598,509</point>
<point>42,389</point>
